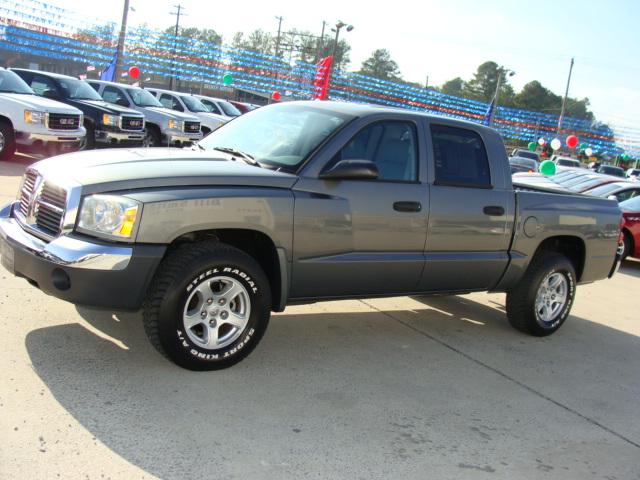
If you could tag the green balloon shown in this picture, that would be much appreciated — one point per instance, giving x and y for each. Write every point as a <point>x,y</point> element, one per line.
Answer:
<point>547,168</point>
<point>582,146</point>
<point>227,79</point>
<point>532,146</point>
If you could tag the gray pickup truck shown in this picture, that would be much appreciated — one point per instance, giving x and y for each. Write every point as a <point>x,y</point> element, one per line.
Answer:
<point>296,203</point>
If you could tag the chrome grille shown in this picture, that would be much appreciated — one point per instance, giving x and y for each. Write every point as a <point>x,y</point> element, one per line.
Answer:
<point>63,121</point>
<point>42,204</point>
<point>27,189</point>
<point>134,124</point>
<point>49,209</point>
<point>191,127</point>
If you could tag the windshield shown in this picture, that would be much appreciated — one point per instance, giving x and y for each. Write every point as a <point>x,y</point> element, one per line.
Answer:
<point>568,163</point>
<point>282,135</point>
<point>526,154</point>
<point>193,104</point>
<point>78,89</point>
<point>229,109</point>
<point>617,171</point>
<point>632,205</point>
<point>604,190</point>
<point>12,83</point>
<point>142,98</point>
<point>525,162</point>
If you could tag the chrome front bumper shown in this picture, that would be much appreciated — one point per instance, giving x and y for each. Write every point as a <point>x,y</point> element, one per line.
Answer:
<point>29,138</point>
<point>103,136</point>
<point>63,251</point>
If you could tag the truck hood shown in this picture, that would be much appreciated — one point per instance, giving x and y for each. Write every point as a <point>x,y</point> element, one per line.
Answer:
<point>173,114</point>
<point>100,171</point>
<point>34,102</point>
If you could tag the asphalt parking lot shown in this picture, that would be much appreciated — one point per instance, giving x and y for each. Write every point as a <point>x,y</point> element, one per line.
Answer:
<point>405,387</point>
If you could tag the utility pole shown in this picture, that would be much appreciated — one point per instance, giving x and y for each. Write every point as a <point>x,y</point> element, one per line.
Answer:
<point>121,39</point>
<point>177,13</point>
<point>278,38</point>
<point>321,42</point>
<point>564,100</point>
<point>426,84</point>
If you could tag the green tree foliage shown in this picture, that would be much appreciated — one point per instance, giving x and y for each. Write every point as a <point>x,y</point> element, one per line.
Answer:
<point>380,65</point>
<point>533,96</point>
<point>454,86</point>
<point>196,35</point>
<point>257,41</point>
<point>482,86</point>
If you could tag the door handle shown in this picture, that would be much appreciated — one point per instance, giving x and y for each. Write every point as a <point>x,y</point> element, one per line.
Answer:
<point>407,206</point>
<point>493,210</point>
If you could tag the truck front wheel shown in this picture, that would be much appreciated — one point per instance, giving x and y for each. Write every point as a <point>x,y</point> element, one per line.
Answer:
<point>541,301</point>
<point>208,306</point>
<point>7,141</point>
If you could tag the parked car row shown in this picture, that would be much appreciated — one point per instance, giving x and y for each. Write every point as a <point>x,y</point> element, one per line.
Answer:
<point>51,113</point>
<point>585,181</point>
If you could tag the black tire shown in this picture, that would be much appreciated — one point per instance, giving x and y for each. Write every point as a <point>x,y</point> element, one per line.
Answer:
<point>89,141</point>
<point>521,300</point>
<point>175,286</point>
<point>7,141</point>
<point>152,137</point>
<point>627,245</point>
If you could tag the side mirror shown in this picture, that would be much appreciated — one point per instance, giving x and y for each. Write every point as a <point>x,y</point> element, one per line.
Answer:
<point>351,170</point>
<point>122,102</point>
<point>612,197</point>
<point>52,94</point>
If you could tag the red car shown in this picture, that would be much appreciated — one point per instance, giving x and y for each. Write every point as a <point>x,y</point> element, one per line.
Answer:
<point>631,227</point>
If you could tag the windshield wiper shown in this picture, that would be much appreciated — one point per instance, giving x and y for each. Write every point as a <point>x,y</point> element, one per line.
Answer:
<point>245,156</point>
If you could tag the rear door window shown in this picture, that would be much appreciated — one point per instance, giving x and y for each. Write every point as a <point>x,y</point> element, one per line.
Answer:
<point>460,157</point>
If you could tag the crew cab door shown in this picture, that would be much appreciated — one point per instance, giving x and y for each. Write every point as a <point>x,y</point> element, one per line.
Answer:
<point>471,210</point>
<point>363,237</point>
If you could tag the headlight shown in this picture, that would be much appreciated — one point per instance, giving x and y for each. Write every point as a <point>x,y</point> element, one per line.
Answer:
<point>109,215</point>
<point>175,125</point>
<point>34,116</point>
<point>111,120</point>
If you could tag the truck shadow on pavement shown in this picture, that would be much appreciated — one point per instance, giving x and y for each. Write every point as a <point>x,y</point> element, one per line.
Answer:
<point>372,391</point>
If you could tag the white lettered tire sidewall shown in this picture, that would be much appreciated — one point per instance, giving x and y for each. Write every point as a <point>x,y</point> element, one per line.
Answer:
<point>172,335</point>
<point>571,285</point>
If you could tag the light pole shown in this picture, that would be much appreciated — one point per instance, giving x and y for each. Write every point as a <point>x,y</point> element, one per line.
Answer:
<point>121,40</point>
<point>337,29</point>
<point>501,72</point>
<point>564,99</point>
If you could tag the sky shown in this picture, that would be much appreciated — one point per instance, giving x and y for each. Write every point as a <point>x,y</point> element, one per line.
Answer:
<point>444,39</point>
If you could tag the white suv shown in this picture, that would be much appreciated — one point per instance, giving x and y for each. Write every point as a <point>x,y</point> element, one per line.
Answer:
<point>220,107</point>
<point>184,102</point>
<point>31,123</point>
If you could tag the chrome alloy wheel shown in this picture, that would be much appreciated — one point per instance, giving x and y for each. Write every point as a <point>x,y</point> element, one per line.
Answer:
<point>216,312</point>
<point>551,298</point>
<point>2,142</point>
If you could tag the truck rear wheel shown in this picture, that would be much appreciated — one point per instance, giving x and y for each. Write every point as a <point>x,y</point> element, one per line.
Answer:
<point>208,306</point>
<point>7,141</point>
<point>541,301</point>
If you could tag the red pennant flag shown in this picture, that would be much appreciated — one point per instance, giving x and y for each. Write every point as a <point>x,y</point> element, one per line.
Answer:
<point>323,76</point>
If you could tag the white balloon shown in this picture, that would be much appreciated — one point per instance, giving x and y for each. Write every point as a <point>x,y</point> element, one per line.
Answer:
<point>556,144</point>
<point>542,142</point>
<point>588,152</point>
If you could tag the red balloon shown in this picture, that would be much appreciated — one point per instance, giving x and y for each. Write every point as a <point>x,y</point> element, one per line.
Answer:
<point>572,141</point>
<point>275,96</point>
<point>134,72</point>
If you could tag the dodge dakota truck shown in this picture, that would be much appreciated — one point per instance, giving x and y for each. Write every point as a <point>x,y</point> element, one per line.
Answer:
<point>296,203</point>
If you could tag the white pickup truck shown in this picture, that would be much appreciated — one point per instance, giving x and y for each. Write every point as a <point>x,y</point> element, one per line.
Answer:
<point>31,123</point>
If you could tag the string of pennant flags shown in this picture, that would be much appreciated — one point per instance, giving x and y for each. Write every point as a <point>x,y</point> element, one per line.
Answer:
<point>38,28</point>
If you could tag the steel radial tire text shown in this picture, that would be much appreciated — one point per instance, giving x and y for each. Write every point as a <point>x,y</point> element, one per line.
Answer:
<point>208,306</point>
